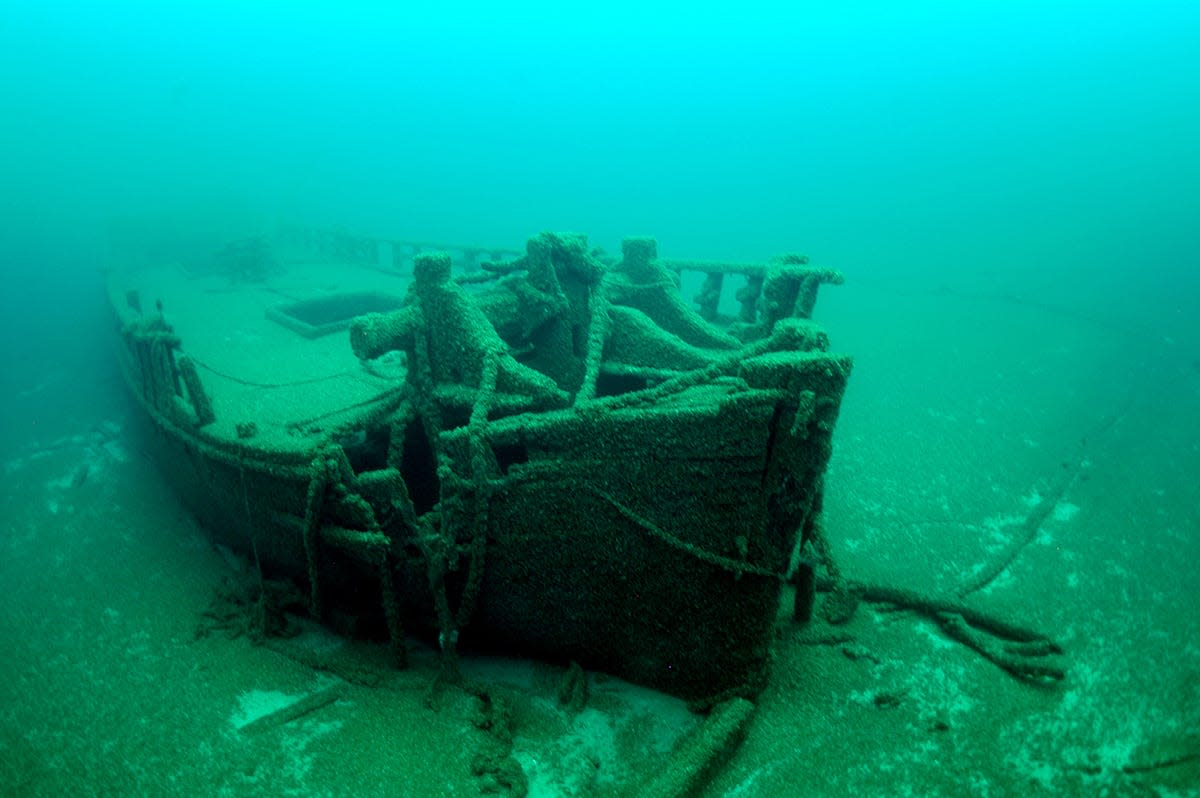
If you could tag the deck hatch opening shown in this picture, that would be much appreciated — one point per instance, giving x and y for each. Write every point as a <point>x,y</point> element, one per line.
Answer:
<point>321,316</point>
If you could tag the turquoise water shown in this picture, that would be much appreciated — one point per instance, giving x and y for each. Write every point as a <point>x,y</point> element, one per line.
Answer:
<point>1010,189</point>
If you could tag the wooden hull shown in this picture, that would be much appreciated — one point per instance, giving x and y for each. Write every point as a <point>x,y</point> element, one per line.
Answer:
<point>646,534</point>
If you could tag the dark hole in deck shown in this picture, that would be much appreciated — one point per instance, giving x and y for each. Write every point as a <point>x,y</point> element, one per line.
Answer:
<point>313,318</point>
<point>419,467</point>
<point>367,450</point>
<point>510,454</point>
<point>617,384</point>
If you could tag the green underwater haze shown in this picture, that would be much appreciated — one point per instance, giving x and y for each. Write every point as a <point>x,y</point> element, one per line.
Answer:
<point>967,136</point>
<point>1012,191</point>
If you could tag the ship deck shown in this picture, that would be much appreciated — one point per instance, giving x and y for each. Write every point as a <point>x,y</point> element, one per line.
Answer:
<point>258,345</point>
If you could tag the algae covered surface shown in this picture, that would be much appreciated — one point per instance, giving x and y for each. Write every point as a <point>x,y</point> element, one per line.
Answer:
<point>1009,190</point>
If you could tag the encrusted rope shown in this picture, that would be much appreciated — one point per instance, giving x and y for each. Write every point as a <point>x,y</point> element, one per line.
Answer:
<point>599,328</point>
<point>313,507</point>
<point>436,545</point>
<point>657,532</point>
<point>481,500</point>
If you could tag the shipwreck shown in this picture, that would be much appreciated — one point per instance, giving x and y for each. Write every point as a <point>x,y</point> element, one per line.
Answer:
<point>551,453</point>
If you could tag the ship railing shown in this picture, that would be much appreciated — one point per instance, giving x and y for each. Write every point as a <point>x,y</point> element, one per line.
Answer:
<point>762,292</point>
<point>387,254</point>
<point>166,379</point>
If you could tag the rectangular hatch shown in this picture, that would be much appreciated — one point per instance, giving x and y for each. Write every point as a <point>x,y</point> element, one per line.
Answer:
<point>314,318</point>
